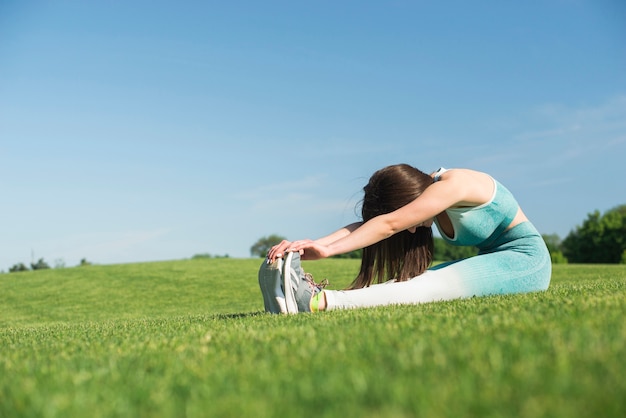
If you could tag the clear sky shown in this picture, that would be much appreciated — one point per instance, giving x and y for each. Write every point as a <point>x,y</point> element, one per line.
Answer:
<point>155,130</point>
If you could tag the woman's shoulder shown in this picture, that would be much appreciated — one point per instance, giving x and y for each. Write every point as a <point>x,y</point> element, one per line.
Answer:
<point>459,174</point>
<point>474,187</point>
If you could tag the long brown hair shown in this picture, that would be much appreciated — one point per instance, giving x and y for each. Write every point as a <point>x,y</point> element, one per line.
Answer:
<point>405,254</point>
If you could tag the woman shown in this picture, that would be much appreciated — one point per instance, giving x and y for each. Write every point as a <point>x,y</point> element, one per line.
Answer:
<point>400,205</point>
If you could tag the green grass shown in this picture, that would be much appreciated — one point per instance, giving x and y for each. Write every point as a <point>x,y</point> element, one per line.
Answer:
<point>187,338</point>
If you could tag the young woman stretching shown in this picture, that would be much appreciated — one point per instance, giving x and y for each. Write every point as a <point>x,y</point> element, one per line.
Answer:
<point>399,207</point>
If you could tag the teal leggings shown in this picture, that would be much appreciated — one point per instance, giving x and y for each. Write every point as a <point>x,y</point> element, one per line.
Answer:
<point>516,262</point>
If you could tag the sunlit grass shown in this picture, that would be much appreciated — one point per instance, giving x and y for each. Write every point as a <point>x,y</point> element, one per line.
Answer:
<point>188,338</point>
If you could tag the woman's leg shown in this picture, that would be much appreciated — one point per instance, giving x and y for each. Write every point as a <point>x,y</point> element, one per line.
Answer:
<point>519,265</point>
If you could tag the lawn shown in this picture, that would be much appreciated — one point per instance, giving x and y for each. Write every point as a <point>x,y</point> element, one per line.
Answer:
<point>188,339</point>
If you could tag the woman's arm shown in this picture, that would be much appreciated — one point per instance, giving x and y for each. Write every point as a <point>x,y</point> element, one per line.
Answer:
<point>279,249</point>
<point>345,231</point>
<point>434,200</point>
<point>456,187</point>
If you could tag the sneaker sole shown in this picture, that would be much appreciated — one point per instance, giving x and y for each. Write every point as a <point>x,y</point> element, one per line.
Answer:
<point>290,298</point>
<point>270,282</point>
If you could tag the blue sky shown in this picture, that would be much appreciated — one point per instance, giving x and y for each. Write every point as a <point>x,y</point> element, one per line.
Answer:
<point>155,130</point>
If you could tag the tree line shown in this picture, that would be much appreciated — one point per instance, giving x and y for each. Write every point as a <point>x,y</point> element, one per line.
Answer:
<point>41,264</point>
<point>600,239</point>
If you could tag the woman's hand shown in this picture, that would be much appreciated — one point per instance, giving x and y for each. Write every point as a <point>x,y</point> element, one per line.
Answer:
<point>278,250</point>
<point>308,249</point>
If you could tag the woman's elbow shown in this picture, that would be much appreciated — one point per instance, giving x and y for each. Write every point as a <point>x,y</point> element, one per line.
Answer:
<point>393,226</point>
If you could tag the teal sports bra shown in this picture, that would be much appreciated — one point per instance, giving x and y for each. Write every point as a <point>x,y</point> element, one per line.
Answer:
<point>480,225</point>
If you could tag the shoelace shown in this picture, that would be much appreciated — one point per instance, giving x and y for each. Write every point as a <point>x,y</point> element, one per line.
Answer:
<point>320,285</point>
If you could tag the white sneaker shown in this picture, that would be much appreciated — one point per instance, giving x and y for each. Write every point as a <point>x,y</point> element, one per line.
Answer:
<point>287,274</point>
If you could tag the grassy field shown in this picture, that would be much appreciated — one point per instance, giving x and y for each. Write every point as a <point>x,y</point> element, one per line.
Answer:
<point>188,339</point>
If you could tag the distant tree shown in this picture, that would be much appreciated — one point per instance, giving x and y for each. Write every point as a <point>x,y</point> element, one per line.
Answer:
<point>449,252</point>
<point>600,239</point>
<point>59,263</point>
<point>204,256</point>
<point>352,254</point>
<point>18,267</point>
<point>263,245</point>
<point>553,242</point>
<point>84,263</point>
<point>39,265</point>
<point>201,256</point>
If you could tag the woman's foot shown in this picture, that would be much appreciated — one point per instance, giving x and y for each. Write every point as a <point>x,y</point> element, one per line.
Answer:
<point>287,288</point>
